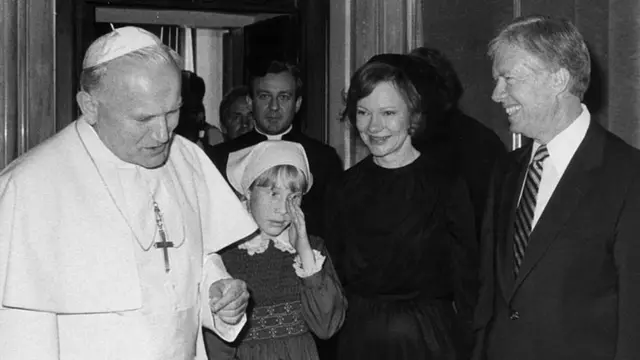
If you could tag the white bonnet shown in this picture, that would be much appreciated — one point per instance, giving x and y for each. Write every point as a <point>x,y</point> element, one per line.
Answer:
<point>117,43</point>
<point>246,165</point>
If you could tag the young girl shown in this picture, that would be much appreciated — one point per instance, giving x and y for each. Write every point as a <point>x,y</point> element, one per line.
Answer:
<point>293,285</point>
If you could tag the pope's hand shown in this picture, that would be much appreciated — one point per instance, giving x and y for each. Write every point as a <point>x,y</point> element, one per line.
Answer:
<point>228,298</point>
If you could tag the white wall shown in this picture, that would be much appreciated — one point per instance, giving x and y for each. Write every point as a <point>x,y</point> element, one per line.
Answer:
<point>208,65</point>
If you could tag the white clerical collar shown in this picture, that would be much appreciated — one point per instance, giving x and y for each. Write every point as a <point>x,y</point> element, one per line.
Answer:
<point>96,148</point>
<point>564,145</point>
<point>275,137</point>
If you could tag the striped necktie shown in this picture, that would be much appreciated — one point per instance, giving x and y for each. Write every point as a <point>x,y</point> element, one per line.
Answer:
<point>527,206</point>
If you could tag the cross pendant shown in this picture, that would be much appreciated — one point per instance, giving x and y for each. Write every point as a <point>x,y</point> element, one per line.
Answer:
<point>164,244</point>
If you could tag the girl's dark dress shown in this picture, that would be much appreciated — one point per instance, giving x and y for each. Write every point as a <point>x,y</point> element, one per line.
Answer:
<point>403,243</point>
<point>284,309</point>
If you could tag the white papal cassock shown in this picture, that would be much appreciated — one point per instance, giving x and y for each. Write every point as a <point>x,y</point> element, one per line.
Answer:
<point>80,277</point>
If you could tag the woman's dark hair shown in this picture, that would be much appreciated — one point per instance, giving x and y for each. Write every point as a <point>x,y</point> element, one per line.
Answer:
<point>452,90</point>
<point>419,87</point>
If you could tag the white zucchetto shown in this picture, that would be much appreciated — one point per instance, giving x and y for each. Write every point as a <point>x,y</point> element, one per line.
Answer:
<point>117,43</point>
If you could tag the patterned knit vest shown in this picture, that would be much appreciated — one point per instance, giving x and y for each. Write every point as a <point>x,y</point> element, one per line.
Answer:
<point>274,308</point>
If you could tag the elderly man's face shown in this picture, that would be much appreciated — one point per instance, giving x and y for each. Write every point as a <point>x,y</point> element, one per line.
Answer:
<point>275,102</point>
<point>240,118</point>
<point>138,110</point>
<point>524,88</point>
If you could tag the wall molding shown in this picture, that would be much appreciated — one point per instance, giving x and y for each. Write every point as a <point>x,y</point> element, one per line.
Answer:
<point>27,73</point>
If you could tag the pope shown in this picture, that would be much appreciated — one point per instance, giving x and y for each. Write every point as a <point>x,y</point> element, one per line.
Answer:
<point>109,229</point>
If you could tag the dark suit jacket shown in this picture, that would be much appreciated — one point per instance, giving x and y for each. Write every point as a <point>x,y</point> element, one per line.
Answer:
<point>577,295</point>
<point>324,163</point>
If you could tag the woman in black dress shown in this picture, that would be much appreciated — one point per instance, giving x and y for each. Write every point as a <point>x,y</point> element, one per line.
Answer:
<point>401,227</point>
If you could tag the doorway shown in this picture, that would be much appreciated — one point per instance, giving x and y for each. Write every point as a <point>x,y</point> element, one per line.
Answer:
<point>235,35</point>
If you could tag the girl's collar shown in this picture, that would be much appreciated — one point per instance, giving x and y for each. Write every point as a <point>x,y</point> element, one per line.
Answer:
<point>260,243</point>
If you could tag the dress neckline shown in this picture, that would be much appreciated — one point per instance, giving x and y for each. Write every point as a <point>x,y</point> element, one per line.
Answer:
<point>404,168</point>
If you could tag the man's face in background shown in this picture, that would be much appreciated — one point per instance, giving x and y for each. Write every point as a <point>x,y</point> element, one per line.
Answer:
<point>239,118</point>
<point>274,102</point>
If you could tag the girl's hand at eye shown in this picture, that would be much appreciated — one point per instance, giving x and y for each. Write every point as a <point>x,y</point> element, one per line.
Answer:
<point>296,199</point>
<point>298,230</point>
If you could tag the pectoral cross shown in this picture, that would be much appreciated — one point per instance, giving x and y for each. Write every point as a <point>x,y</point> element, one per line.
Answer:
<point>163,244</point>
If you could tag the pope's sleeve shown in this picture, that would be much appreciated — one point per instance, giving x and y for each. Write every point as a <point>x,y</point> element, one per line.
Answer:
<point>23,334</point>
<point>224,221</point>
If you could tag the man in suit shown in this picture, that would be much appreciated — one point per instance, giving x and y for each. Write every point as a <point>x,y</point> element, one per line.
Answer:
<point>561,261</point>
<point>275,96</point>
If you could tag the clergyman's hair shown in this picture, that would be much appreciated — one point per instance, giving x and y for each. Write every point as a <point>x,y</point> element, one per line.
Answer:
<point>260,69</point>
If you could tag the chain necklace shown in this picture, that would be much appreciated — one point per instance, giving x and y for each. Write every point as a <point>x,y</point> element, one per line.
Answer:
<point>163,244</point>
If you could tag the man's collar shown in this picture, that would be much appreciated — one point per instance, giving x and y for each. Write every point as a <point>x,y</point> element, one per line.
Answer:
<point>275,137</point>
<point>564,145</point>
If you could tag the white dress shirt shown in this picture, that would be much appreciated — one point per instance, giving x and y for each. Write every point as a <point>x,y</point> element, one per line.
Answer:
<point>561,150</point>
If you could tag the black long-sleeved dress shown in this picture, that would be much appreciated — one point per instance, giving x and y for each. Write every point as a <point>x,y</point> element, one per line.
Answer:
<point>403,242</point>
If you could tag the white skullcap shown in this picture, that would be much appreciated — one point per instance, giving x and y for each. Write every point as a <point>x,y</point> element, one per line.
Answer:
<point>246,165</point>
<point>119,42</point>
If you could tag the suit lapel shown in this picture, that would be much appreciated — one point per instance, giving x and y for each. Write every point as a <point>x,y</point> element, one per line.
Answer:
<point>514,178</point>
<point>574,183</point>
